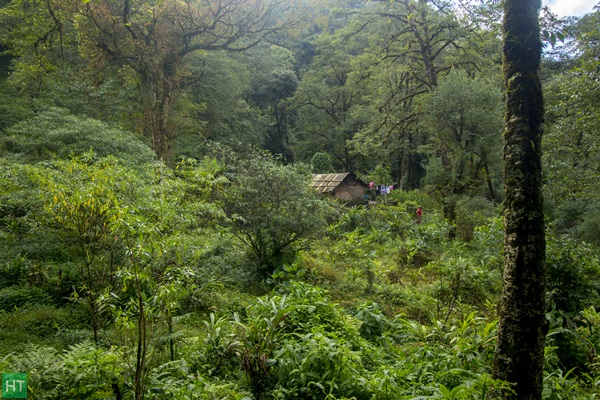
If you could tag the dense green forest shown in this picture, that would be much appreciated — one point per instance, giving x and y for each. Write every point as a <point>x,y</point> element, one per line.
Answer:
<point>160,238</point>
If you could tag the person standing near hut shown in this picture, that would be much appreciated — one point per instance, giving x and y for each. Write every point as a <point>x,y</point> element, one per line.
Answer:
<point>419,214</point>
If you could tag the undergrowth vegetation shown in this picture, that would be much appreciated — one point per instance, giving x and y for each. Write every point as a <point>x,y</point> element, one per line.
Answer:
<point>146,282</point>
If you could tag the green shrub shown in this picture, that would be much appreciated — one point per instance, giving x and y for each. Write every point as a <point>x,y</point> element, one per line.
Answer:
<point>17,297</point>
<point>487,243</point>
<point>573,274</point>
<point>42,324</point>
<point>313,311</point>
<point>578,218</point>
<point>316,365</point>
<point>272,210</point>
<point>589,229</point>
<point>321,163</point>
<point>81,372</point>
<point>57,133</point>
<point>470,213</point>
<point>373,323</point>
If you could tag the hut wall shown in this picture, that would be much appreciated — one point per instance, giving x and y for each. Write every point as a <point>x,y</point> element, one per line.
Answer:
<point>350,191</point>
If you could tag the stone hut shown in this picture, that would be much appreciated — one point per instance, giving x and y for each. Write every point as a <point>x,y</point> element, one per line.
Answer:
<point>345,186</point>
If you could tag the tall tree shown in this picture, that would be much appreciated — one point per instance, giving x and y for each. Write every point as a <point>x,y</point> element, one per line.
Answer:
<point>152,40</point>
<point>411,45</point>
<point>274,81</point>
<point>521,334</point>
<point>571,142</point>
<point>328,97</point>
<point>465,121</point>
<point>426,29</point>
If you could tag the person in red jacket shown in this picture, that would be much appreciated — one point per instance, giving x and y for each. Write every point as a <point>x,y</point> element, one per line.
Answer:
<point>419,214</point>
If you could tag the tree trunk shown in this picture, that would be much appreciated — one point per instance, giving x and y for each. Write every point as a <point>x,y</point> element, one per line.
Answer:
<point>157,91</point>
<point>157,122</point>
<point>490,184</point>
<point>521,334</point>
<point>406,162</point>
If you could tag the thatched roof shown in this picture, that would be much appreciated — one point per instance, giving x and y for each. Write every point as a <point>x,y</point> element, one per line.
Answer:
<point>327,183</point>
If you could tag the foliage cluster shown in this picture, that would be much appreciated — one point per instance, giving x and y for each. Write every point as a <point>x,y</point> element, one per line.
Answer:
<point>143,288</point>
<point>160,239</point>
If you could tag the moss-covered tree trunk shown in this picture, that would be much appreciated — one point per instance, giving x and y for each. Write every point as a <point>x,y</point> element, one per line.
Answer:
<point>521,336</point>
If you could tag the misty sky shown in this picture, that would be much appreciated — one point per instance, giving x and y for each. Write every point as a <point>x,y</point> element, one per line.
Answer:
<point>571,7</point>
